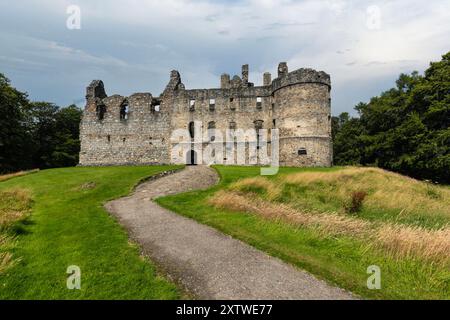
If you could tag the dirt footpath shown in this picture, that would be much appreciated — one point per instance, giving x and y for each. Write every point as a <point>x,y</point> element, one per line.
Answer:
<point>206,262</point>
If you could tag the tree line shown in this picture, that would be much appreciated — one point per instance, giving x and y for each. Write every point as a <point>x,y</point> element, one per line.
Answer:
<point>406,129</point>
<point>36,134</point>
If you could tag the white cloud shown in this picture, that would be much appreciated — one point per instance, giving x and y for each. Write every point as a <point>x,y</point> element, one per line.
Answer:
<point>135,43</point>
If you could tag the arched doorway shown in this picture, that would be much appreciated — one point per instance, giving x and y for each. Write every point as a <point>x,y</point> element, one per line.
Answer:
<point>191,158</point>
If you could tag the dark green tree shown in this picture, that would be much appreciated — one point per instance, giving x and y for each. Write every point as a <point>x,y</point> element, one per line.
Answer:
<point>14,133</point>
<point>36,134</point>
<point>347,142</point>
<point>43,124</point>
<point>405,129</point>
<point>55,134</point>
<point>67,137</point>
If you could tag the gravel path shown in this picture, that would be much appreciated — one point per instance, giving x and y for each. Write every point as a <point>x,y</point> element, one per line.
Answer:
<point>206,262</point>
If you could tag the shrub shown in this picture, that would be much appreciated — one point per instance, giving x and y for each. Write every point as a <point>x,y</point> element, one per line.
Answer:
<point>356,202</point>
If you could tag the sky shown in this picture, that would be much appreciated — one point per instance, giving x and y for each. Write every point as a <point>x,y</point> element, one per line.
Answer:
<point>132,45</point>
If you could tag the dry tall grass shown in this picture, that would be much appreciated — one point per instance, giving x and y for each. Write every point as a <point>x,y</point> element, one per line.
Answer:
<point>272,190</point>
<point>14,206</point>
<point>16,174</point>
<point>396,240</point>
<point>385,190</point>
<point>4,239</point>
<point>411,242</point>
<point>6,261</point>
<point>327,223</point>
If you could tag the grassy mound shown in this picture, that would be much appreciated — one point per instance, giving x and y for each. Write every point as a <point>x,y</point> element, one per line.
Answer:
<point>336,223</point>
<point>388,196</point>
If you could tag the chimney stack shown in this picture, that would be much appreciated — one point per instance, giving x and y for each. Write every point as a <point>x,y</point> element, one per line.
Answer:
<point>267,79</point>
<point>282,69</point>
<point>245,74</point>
<point>225,81</point>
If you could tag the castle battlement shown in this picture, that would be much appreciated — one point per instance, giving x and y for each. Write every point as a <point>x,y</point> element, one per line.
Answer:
<point>137,129</point>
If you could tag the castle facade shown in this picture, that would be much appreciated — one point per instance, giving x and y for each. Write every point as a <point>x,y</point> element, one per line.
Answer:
<point>139,129</point>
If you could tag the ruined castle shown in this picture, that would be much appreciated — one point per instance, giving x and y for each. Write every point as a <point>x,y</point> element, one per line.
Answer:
<point>117,130</point>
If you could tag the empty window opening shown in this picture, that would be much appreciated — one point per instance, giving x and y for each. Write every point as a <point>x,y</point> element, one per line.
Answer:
<point>258,127</point>
<point>274,122</point>
<point>211,130</point>
<point>302,152</point>
<point>259,102</point>
<point>155,106</point>
<point>124,111</point>
<point>191,129</point>
<point>211,125</point>
<point>109,138</point>
<point>258,124</point>
<point>124,139</point>
<point>231,99</point>
<point>192,105</point>
<point>212,104</point>
<point>232,125</point>
<point>101,110</point>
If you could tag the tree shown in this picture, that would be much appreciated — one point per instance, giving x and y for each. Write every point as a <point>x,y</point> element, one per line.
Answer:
<point>347,143</point>
<point>14,134</point>
<point>36,134</point>
<point>67,138</point>
<point>55,134</point>
<point>43,124</point>
<point>405,129</point>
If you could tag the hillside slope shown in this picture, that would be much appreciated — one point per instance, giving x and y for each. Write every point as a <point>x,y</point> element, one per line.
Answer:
<point>67,225</point>
<point>337,223</point>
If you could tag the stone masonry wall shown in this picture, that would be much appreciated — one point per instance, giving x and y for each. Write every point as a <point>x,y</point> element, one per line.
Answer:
<point>296,103</point>
<point>142,138</point>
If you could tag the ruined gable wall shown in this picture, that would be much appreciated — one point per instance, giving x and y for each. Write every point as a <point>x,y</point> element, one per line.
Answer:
<point>142,138</point>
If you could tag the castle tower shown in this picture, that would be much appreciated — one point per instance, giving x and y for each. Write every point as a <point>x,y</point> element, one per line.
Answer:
<point>302,114</point>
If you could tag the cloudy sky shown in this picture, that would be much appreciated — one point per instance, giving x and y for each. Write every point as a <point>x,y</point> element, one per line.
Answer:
<point>133,44</point>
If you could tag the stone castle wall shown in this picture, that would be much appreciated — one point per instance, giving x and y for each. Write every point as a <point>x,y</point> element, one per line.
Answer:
<point>120,130</point>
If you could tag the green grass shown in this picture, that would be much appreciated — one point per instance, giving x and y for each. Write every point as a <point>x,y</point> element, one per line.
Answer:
<point>69,226</point>
<point>390,196</point>
<point>339,260</point>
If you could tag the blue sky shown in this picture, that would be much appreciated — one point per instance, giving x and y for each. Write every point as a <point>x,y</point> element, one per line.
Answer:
<point>132,45</point>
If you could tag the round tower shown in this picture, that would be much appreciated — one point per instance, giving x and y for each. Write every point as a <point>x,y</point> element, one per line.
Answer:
<point>302,113</point>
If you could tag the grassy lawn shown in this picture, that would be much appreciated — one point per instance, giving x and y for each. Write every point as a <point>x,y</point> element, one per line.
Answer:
<point>67,225</point>
<point>302,216</point>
